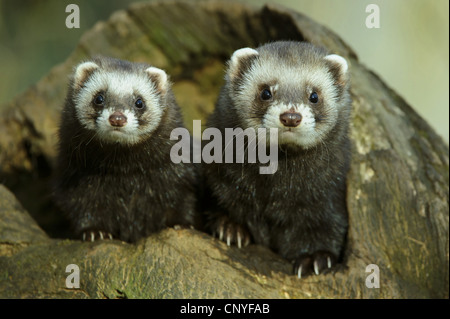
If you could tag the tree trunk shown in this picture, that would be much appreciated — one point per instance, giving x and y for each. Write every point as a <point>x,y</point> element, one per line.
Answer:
<point>397,186</point>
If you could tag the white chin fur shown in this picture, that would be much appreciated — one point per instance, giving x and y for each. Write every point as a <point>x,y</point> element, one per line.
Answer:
<point>304,135</point>
<point>128,134</point>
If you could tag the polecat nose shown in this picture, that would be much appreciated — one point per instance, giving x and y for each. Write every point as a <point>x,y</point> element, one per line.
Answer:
<point>117,119</point>
<point>290,119</point>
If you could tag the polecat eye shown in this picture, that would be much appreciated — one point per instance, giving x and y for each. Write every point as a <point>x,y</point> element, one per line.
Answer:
<point>139,104</point>
<point>99,99</point>
<point>314,97</point>
<point>266,95</point>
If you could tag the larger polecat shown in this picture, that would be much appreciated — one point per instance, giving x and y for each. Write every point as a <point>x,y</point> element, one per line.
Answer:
<point>300,210</point>
<point>114,176</point>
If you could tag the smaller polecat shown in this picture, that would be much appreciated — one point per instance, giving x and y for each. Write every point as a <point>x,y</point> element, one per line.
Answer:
<point>302,91</point>
<point>114,176</point>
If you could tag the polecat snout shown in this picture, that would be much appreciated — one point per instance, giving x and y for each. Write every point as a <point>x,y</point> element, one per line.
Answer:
<point>300,210</point>
<point>114,176</point>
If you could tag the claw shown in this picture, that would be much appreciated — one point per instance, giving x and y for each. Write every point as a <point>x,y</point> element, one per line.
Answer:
<point>239,239</point>
<point>316,267</point>
<point>232,233</point>
<point>247,241</point>
<point>299,272</point>
<point>96,235</point>
<point>329,262</point>
<point>221,233</point>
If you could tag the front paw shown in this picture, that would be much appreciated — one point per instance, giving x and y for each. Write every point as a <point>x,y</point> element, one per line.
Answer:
<point>93,235</point>
<point>317,262</point>
<point>231,233</point>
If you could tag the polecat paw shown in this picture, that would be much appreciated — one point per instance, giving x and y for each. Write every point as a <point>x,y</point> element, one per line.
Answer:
<point>93,235</point>
<point>232,233</point>
<point>316,263</point>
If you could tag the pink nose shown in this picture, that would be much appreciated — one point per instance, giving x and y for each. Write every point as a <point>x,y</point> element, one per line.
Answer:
<point>290,119</point>
<point>117,119</point>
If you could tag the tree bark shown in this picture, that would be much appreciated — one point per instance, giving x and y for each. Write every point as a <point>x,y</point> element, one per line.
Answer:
<point>398,197</point>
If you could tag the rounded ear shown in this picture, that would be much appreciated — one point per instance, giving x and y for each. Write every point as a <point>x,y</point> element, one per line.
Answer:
<point>338,68</point>
<point>338,60</point>
<point>159,77</point>
<point>83,71</point>
<point>240,61</point>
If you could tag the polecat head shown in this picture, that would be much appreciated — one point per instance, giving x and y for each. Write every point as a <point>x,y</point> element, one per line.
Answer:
<point>293,86</point>
<point>119,101</point>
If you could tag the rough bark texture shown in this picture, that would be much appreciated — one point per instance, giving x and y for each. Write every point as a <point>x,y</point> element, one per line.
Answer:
<point>397,186</point>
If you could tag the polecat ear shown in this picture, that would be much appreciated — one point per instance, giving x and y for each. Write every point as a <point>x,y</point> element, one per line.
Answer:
<point>240,61</point>
<point>83,71</point>
<point>338,68</point>
<point>159,77</point>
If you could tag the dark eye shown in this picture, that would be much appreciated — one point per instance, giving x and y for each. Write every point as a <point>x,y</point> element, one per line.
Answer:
<point>266,95</point>
<point>99,99</point>
<point>139,104</point>
<point>314,97</point>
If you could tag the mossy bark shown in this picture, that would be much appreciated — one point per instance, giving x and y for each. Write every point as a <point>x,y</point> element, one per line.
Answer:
<point>397,186</point>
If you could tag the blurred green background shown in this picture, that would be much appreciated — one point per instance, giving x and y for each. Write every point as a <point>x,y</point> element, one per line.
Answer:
<point>410,50</point>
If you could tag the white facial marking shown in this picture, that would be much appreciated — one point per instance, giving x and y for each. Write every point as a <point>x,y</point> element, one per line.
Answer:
<point>125,87</point>
<point>128,134</point>
<point>300,80</point>
<point>304,135</point>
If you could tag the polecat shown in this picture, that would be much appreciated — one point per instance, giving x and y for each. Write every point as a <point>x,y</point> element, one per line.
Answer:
<point>114,176</point>
<point>299,211</point>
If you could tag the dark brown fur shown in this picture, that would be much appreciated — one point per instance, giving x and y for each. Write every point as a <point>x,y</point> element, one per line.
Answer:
<point>129,191</point>
<point>300,211</point>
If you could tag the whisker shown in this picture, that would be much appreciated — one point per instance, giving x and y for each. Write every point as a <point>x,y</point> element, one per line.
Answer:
<point>232,140</point>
